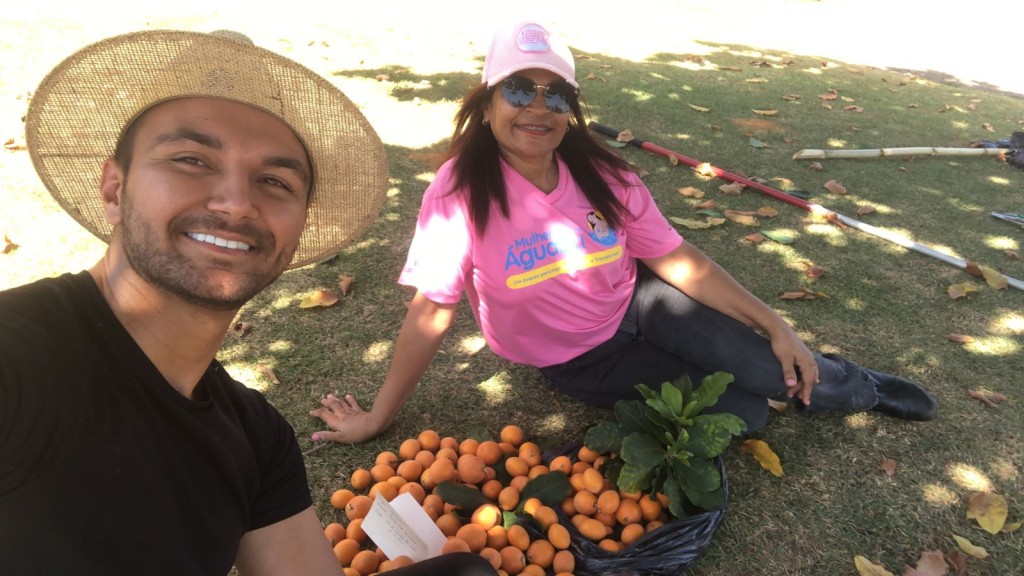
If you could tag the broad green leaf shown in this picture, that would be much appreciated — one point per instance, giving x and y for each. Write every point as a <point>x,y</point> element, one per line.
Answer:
<point>611,469</point>
<point>604,437</point>
<point>756,143</point>
<point>634,479</point>
<point>673,398</point>
<point>676,497</point>
<point>462,496</point>
<point>708,500</point>
<point>551,488</point>
<point>615,144</point>
<point>710,434</point>
<point>654,400</point>
<point>700,475</point>
<point>642,450</point>
<point>634,416</point>
<point>707,394</point>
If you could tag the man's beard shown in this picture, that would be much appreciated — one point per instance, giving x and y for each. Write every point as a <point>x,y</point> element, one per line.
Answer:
<point>172,272</point>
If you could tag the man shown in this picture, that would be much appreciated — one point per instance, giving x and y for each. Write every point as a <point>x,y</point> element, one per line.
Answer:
<point>124,446</point>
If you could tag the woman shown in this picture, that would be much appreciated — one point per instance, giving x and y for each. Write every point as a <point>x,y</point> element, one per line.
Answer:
<point>569,266</point>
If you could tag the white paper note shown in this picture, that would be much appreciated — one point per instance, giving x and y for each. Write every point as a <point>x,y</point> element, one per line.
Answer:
<point>402,528</point>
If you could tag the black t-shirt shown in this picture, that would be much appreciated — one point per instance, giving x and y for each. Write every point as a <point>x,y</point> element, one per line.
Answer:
<point>105,468</point>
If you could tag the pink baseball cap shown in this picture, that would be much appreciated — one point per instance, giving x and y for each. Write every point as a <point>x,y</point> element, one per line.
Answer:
<point>527,45</point>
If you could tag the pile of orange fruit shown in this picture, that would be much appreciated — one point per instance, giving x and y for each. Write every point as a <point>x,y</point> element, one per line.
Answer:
<point>597,510</point>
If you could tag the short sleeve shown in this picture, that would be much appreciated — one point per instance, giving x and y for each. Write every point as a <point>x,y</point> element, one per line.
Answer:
<point>648,233</point>
<point>440,256</point>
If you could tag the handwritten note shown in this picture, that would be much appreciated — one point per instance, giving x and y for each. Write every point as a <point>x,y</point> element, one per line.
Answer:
<point>402,528</point>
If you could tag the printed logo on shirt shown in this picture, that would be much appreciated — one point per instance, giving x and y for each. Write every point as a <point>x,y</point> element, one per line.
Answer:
<point>564,248</point>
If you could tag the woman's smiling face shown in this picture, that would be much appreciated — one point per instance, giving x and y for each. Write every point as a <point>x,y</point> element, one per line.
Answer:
<point>529,134</point>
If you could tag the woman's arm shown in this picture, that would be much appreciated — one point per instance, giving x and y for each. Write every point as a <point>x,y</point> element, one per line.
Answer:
<point>701,278</point>
<point>419,339</point>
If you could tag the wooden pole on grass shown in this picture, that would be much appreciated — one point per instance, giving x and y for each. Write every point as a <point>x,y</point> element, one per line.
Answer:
<point>812,154</point>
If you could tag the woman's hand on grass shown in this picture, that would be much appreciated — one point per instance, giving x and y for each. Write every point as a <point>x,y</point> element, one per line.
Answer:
<point>348,422</point>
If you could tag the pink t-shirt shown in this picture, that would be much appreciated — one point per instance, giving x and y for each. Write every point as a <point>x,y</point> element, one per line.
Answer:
<point>549,282</point>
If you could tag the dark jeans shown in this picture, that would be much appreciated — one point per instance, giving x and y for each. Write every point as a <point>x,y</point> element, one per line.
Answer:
<point>665,334</point>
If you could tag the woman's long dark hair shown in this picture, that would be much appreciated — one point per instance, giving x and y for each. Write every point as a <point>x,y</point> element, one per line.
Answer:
<point>477,165</point>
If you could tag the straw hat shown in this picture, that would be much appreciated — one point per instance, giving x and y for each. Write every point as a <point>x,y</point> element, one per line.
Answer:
<point>80,109</point>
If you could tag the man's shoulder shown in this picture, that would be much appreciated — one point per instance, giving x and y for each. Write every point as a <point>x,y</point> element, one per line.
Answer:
<point>45,301</point>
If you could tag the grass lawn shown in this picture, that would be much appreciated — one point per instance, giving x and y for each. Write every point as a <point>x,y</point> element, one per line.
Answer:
<point>699,95</point>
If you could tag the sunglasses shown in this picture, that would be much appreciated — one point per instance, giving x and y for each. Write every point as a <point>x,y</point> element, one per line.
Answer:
<point>558,96</point>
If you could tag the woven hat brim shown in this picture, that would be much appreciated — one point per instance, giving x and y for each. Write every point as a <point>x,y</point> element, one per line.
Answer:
<point>79,110</point>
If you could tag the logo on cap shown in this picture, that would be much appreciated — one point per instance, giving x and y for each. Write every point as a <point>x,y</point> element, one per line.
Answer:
<point>533,39</point>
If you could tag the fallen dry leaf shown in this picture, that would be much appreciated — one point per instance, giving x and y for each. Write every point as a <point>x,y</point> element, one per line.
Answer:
<point>764,112</point>
<point>852,108</point>
<point>778,406</point>
<point>740,217</point>
<point>1013,527</point>
<point>816,166</point>
<point>828,97</point>
<point>755,238</point>
<point>959,338</point>
<point>866,567</point>
<point>345,284</point>
<point>673,160</point>
<point>991,398</point>
<point>989,509</point>
<point>707,170</point>
<point>320,298</point>
<point>835,187</point>
<point>931,563</point>
<point>691,223</point>
<point>706,205</point>
<point>763,454</point>
<point>1012,254</point>
<point>969,548</point>
<point>269,373</point>
<point>625,136</point>
<point>802,294</point>
<point>767,212</point>
<point>957,291</point>
<point>988,127</point>
<point>865,210</point>
<point>814,271</point>
<point>994,278</point>
<point>9,246</point>
<point>691,192</point>
<point>732,189</point>
<point>791,97</point>
<point>974,269</point>
<point>957,562</point>
<point>240,329</point>
<point>699,108</point>
<point>887,465</point>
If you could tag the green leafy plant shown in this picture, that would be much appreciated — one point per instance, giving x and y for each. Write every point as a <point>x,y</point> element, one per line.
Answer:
<point>665,444</point>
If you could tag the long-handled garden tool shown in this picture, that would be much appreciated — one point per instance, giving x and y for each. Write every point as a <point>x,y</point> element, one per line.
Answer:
<point>798,202</point>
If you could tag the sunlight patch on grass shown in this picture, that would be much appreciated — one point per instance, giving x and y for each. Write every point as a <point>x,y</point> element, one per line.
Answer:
<point>999,180</point>
<point>638,95</point>
<point>858,420</point>
<point>938,495</point>
<point>814,71</point>
<point>553,425</point>
<point>993,346</point>
<point>473,344</point>
<point>1009,323</point>
<point>856,304</point>
<point>969,477</point>
<point>249,375</point>
<point>283,301</point>
<point>1002,243</point>
<point>1005,470</point>
<point>281,346</point>
<point>426,177</point>
<point>377,352</point>
<point>836,143</point>
<point>496,389</point>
